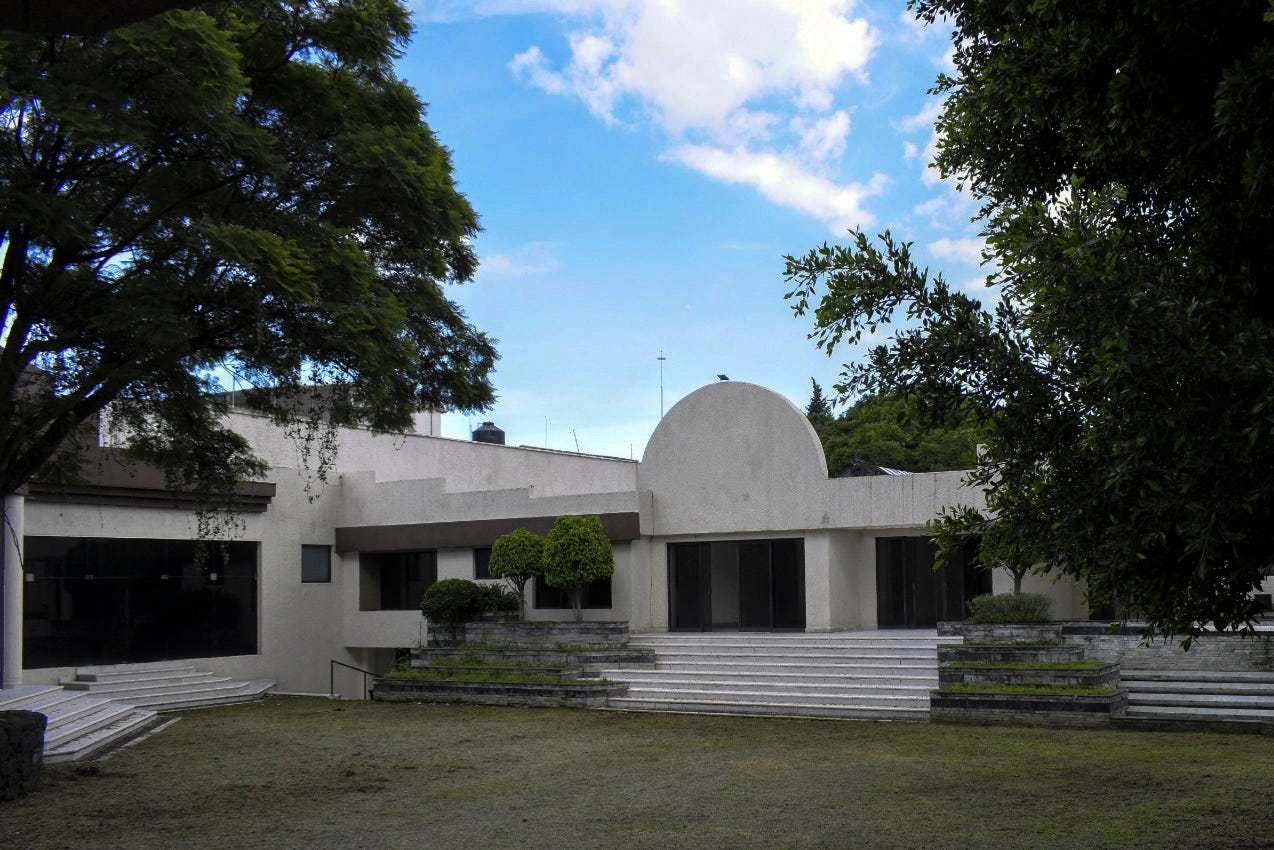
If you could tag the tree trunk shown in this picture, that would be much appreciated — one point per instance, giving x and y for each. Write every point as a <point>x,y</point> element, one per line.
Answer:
<point>576,593</point>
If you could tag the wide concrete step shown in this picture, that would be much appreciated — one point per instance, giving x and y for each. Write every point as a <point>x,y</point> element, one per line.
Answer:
<point>102,680</point>
<point>68,728</point>
<point>164,686</point>
<point>857,643</point>
<point>1201,700</point>
<point>763,708</point>
<point>229,694</point>
<point>795,666</point>
<point>1184,676</point>
<point>157,687</point>
<point>705,692</point>
<point>1220,689</point>
<point>1196,713</point>
<point>92,740</point>
<point>927,679</point>
<point>106,671</point>
<point>783,689</point>
<point>776,656</point>
<point>26,697</point>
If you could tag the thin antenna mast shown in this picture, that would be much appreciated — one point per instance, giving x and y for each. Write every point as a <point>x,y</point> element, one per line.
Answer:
<point>661,360</point>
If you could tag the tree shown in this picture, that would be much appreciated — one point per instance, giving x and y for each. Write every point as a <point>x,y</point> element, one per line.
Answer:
<point>80,17</point>
<point>818,409</point>
<point>517,557</point>
<point>577,552</point>
<point>245,186</point>
<point>880,430</point>
<point>1125,375</point>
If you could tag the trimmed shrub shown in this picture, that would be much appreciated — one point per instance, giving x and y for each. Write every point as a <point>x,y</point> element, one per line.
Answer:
<point>517,557</point>
<point>1007,608</point>
<point>497,599</point>
<point>451,602</point>
<point>577,552</point>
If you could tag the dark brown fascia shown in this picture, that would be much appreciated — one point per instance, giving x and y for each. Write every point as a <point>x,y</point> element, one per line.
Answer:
<point>465,534</point>
<point>107,479</point>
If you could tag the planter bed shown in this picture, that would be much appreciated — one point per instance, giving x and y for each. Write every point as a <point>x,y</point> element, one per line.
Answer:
<point>1008,652</point>
<point>509,656</point>
<point>978,633</point>
<point>1049,709</point>
<point>1062,677</point>
<point>568,694</point>
<point>462,670</point>
<point>533,634</point>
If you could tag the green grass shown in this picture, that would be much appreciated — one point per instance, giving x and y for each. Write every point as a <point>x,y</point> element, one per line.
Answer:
<point>308,773</point>
<point>1025,689</point>
<point>1031,665</point>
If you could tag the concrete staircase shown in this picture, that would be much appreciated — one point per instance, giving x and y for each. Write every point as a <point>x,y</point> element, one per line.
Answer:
<point>1200,696</point>
<point>106,707</point>
<point>79,726</point>
<point>880,675</point>
<point>163,686</point>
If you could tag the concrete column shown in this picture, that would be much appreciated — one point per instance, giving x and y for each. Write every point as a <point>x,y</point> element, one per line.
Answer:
<point>818,601</point>
<point>14,510</point>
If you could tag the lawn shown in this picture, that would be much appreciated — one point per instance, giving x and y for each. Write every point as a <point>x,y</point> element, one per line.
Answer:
<point>307,773</point>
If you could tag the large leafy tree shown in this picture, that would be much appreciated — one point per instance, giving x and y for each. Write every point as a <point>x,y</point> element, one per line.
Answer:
<point>1125,375</point>
<point>881,430</point>
<point>246,186</point>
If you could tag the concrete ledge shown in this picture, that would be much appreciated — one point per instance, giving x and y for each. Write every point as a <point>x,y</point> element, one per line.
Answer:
<point>563,694</point>
<point>1045,709</point>
<point>1007,654</point>
<point>1092,677</point>
<point>515,656</point>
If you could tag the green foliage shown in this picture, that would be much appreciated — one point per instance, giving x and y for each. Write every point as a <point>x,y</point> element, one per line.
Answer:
<point>242,186</point>
<point>497,600</point>
<point>1124,375</point>
<point>818,410</point>
<point>517,557</point>
<point>453,601</point>
<point>881,430</point>
<point>577,552</point>
<point>1010,608</point>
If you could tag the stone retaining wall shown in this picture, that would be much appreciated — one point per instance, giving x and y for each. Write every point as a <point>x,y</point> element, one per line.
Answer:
<point>1220,652</point>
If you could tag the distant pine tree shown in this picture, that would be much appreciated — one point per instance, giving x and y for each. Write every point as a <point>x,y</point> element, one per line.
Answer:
<point>818,406</point>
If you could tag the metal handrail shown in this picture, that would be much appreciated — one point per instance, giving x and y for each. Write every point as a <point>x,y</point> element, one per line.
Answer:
<point>331,677</point>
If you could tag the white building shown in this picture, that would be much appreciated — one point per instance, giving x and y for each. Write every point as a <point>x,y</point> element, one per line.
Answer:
<point>729,522</point>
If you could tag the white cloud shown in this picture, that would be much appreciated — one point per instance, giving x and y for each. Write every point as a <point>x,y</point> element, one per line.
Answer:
<point>910,151</point>
<point>755,85</point>
<point>694,64</point>
<point>824,138</point>
<point>923,120</point>
<point>533,258</point>
<point>966,250</point>
<point>784,180</point>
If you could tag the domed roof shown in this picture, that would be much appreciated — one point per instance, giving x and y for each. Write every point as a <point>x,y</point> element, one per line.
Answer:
<point>734,456</point>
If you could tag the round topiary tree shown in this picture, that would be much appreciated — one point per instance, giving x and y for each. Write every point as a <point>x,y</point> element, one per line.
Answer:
<point>577,551</point>
<point>451,602</point>
<point>518,557</point>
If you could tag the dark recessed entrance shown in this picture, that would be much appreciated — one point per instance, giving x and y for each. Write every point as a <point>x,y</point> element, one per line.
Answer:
<point>736,585</point>
<point>911,594</point>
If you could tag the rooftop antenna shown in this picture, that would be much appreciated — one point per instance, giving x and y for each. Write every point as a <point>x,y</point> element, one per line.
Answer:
<point>661,360</point>
<point>546,432</point>
<point>576,436</point>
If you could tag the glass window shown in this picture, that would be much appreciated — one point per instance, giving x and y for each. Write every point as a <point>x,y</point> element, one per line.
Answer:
<point>316,564</point>
<point>482,562</point>
<point>404,578</point>
<point>596,595</point>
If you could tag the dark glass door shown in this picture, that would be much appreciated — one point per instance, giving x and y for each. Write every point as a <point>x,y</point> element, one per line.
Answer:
<point>751,585</point>
<point>911,594</point>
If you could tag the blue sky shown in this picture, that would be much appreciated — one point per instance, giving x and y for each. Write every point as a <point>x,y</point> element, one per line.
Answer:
<point>641,168</point>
